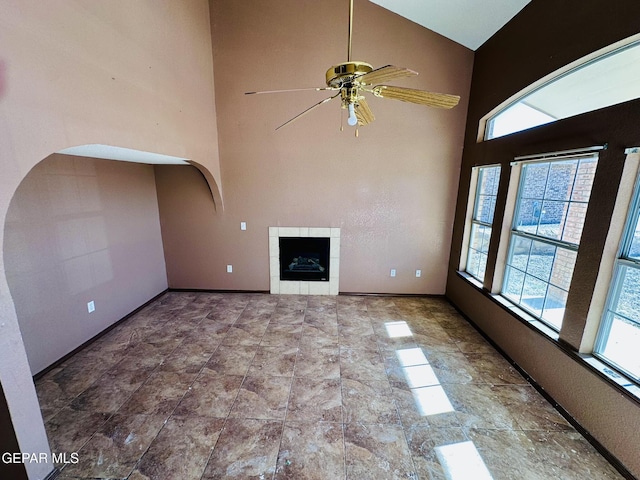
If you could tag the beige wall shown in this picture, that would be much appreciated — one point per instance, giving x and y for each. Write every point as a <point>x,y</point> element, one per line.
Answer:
<point>80,230</point>
<point>137,75</point>
<point>391,191</point>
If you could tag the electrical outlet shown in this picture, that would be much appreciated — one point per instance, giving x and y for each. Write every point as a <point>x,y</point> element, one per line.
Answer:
<point>418,273</point>
<point>91,306</point>
<point>393,272</point>
<point>243,225</point>
<point>229,268</point>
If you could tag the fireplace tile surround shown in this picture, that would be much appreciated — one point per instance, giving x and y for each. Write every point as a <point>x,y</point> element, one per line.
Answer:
<point>291,287</point>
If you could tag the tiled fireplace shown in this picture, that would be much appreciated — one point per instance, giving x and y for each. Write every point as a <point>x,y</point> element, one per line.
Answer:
<point>322,279</point>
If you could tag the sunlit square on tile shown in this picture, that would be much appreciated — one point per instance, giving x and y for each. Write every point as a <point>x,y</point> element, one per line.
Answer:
<point>432,400</point>
<point>398,329</point>
<point>461,461</point>
<point>420,376</point>
<point>411,356</point>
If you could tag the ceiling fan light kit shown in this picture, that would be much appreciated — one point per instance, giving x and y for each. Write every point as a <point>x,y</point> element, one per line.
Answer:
<point>352,79</point>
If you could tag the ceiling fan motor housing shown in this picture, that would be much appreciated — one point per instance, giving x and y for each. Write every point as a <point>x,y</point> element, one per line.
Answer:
<point>342,73</point>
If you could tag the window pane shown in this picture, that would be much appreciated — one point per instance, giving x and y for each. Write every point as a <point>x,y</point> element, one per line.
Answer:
<point>561,177</point>
<point>628,302</point>
<point>529,215</point>
<point>482,266</point>
<point>515,118</point>
<point>562,270</point>
<point>534,292</point>
<point>584,180</point>
<point>485,208</point>
<point>535,180</point>
<point>622,345</point>
<point>541,260</point>
<point>519,255</point>
<point>634,248</point>
<point>513,283</point>
<point>552,218</point>
<point>554,306</point>
<point>490,180</point>
<point>485,233</point>
<point>473,262</point>
<point>476,240</point>
<point>574,223</point>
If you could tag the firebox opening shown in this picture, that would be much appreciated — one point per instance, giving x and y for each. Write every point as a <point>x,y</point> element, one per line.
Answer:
<point>304,258</point>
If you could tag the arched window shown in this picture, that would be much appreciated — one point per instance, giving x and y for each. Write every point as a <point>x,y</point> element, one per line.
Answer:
<point>606,77</point>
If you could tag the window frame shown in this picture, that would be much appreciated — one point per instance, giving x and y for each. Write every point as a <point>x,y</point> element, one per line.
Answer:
<point>512,232</point>
<point>613,295</point>
<point>485,127</point>
<point>479,172</point>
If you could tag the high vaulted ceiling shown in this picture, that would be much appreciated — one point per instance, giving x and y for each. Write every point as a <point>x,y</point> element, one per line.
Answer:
<point>468,22</point>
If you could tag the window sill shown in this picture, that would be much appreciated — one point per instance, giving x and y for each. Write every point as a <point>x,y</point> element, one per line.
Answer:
<point>612,375</point>
<point>513,308</point>
<point>471,279</point>
<point>526,317</point>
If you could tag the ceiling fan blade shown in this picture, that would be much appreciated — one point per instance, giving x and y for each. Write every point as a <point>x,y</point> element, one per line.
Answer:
<point>317,89</point>
<point>421,97</point>
<point>363,112</point>
<point>307,110</point>
<point>384,74</point>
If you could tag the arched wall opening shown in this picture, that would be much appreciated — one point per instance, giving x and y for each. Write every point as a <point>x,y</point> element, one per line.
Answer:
<point>80,230</point>
<point>76,230</point>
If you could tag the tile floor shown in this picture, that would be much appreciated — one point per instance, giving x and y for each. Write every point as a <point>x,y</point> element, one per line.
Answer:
<point>258,386</point>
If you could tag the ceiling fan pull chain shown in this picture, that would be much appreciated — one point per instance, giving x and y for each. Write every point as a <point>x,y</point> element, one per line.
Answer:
<point>357,132</point>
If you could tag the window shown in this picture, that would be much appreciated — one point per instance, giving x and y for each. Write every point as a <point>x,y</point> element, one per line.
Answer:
<point>605,78</point>
<point>618,340</point>
<point>482,220</point>
<point>551,206</point>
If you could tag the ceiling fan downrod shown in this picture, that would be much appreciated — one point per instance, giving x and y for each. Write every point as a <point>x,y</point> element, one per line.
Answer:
<point>350,29</point>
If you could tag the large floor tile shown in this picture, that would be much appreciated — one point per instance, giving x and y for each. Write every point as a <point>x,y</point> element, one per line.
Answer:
<point>181,449</point>
<point>263,397</point>
<point>377,451</point>
<point>277,361</point>
<point>318,362</point>
<point>211,395</point>
<point>246,449</point>
<point>116,447</point>
<point>315,400</point>
<point>311,451</point>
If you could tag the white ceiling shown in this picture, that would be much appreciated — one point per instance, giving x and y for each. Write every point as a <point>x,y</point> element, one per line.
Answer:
<point>468,22</point>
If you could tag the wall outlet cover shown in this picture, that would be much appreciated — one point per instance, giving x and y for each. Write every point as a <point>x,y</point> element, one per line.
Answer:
<point>91,306</point>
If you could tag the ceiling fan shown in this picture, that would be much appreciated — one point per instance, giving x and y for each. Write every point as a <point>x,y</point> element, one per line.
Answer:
<point>353,78</point>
